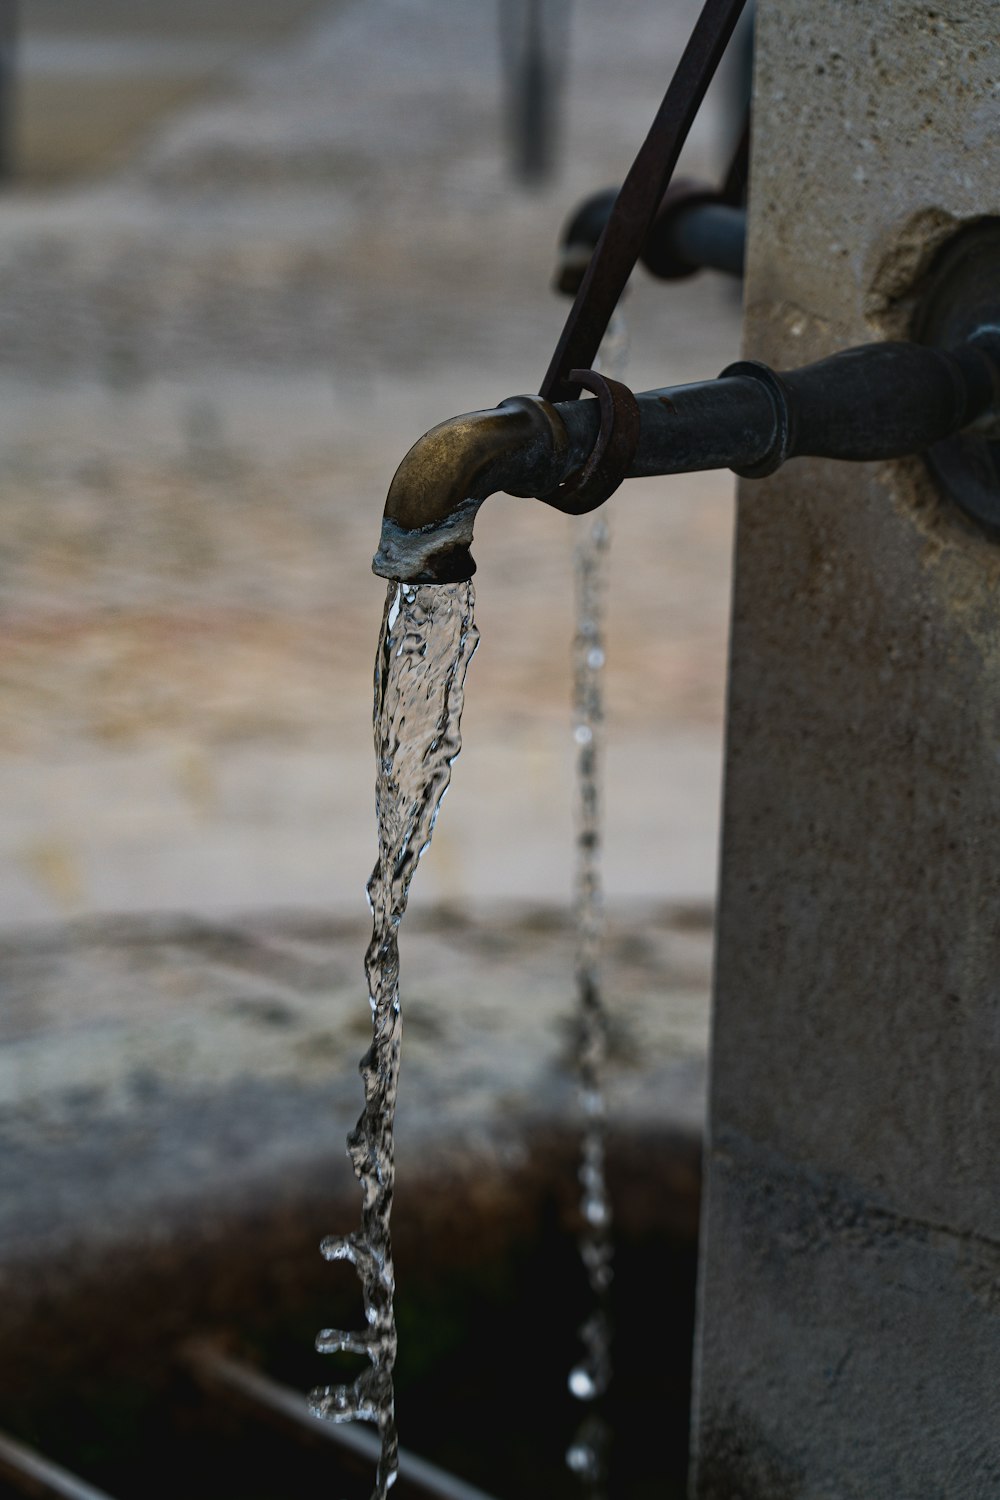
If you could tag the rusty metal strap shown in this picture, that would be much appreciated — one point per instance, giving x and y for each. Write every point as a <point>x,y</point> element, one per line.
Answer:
<point>620,245</point>
<point>611,456</point>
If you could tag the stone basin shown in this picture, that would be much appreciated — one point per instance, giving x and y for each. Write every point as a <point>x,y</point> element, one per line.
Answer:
<point>174,1097</point>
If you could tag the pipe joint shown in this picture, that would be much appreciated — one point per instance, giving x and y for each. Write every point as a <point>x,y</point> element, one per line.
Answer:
<point>520,446</point>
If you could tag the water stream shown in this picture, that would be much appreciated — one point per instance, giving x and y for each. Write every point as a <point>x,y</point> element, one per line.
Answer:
<point>590,1376</point>
<point>427,641</point>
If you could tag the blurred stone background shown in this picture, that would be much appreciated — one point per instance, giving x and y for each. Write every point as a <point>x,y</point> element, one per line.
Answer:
<point>249,254</point>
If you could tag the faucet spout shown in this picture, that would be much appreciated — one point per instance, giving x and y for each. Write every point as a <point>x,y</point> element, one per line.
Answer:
<point>520,446</point>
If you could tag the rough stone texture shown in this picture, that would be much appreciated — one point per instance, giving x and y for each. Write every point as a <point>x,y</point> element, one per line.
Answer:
<point>850,1299</point>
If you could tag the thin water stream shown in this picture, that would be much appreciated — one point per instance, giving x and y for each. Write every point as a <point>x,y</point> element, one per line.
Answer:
<point>590,1377</point>
<point>591,1374</point>
<point>427,641</point>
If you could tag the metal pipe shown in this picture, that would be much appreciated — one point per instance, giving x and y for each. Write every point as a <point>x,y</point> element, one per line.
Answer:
<point>30,1473</point>
<point>703,234</point>
<point>878,401</point>
<point>448,473</point>
<point>710,236</point>
<point>222,1376</point>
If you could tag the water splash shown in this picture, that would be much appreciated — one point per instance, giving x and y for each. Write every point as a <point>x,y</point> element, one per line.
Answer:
<point>587,1455</point>
<point>428,639</point>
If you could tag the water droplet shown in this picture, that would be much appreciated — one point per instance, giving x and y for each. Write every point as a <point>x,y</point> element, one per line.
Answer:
<point>583,734</point>
<point>595,658</point>
<point>596,1212</point>
<point>593,1102</point>
<point>581,1459</point>
<point>582,1383</point>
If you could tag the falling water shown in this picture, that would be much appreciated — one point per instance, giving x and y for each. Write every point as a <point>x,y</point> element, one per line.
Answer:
<point>428,639</point>
<point>590,1376</point>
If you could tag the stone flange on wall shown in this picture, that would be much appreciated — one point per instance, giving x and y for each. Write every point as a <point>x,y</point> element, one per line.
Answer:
<point>849,1339</point>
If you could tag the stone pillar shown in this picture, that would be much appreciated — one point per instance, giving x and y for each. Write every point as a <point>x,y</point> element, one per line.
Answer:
<point>849,1322</point>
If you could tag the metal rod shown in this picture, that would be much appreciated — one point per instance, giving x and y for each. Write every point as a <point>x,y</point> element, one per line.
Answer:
<point>31,1474</point>
<point>638,200</point>
<point>239,1383</point>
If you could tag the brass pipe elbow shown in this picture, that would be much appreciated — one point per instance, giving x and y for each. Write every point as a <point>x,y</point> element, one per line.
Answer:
<point>520,446</point>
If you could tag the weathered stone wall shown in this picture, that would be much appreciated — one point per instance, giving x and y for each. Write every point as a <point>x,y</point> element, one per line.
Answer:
<point>849,1340</point>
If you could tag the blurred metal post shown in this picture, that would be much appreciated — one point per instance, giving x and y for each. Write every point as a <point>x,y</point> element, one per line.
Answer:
<point>8,87</point>
<point>533,45</point>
